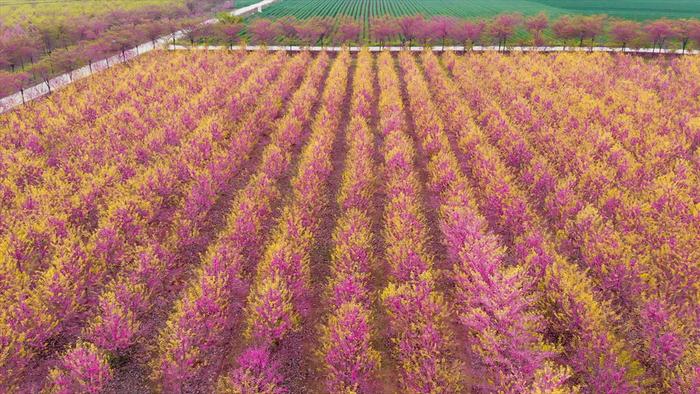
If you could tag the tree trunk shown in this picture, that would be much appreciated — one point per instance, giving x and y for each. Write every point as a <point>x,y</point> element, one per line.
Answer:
<point>48,84</point>
<point>21,92</point>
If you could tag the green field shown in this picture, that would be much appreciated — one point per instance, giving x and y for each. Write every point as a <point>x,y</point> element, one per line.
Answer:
<point>364,9</point>
<point>12,11</point>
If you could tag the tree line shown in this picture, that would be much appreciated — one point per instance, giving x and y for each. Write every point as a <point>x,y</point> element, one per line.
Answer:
<point>34,51</point>
<point>440,30</point>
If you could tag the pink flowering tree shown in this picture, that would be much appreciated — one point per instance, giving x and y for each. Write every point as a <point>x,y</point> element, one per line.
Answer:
<point>409,26</point>
<point>685,29</point>
<point>84,369</point>
<point>503,26</point>
<point>536,25</point>
<point>263,31</point>
<point>625,32</point>
<point>659,32</point>
<point>349,31</point>
<point>564,29</point>
<point>12,82</point>
<point>383,29</point>
<point>440,27</point>
<point>309,32</point>
<point>467,32</point>
<point>287,26</point>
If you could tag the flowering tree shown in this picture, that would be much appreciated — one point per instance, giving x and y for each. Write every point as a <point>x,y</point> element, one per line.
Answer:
<point>535,25</point>
<point>263,31</point>
<point>287,26</point>
<point>695,34</point>
<point>659,31</point>
<point>309,32</point>
<point>685,29</point>
<point>467,31</point>
<point>348,31</point>
<point>503,26</point>
<point>324,26</point>
<point>12,82</point>
<point>590,27</point>
<point>625,31</point>
<point>439,28</point>
<point>229,32</point>
<point>564,29</point>
<point>409,26</point>
<point>383,29</point>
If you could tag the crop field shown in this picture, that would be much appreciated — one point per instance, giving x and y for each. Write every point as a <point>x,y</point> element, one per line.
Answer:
<point>365,9</point>
<point>12,11</point>
<point>243,222</point>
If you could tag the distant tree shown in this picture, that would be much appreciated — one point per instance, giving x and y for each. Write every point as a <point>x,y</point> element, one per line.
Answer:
<point>43,69</point>
<point>659,32</point>
<point>440,27</point>
<point>155,29</point>
<point>564,29</point>
<point>287,27</point>
<point>309,32</point>
<point>684,30</point>
<point>190,28</point>
<point>625,31</point>
<point>464,32</point>
<point>695,34</point>
<point>589,27</point>
<point>263,30</point>
<point>95,51</point>
<point>348,31</point>
<point>65,60</point>
<point>383,29</point>
<point>409,27</point>
<point>228,32</point>
<point>118,40</point>
<point>536,25</point>
<point>19,46</point>
<point>503,26</point>
<point>324,26</point>
<point>12,82</point>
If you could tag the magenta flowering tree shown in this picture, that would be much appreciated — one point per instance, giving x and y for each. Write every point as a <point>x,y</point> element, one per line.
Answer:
<point>564,29</point>
<point>288,28</point>
<point>349,31</point>
<point>410,26</point>
<point>350,360</point>
<point>503,26</point>
<point>258,372</point>
<point>440,27</point>
<point>325,27</point>
<point>625,32</point>
<point>383,29</point>
<point>229,32</point>
<point>263,31</point>
<point>84,369</point>
<point>467,32</point>
<point>685,30</point>
<point>536,25</point>
<point>659,32</point>
<point>12,82</point>
<point>309,32</point>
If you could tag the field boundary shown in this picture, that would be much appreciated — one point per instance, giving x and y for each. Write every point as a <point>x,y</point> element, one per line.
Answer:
<point>438,48</point>
<point>63,80</point>
<point>44,88</point>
